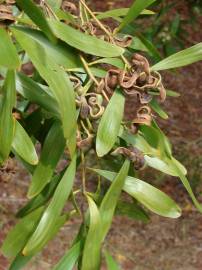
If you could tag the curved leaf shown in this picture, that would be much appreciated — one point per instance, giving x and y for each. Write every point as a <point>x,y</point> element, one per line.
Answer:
<point>48,222</point>
<point>110,123</point>
<point>83,42</point>
<point>152,198</point>
<point>7,124</point>
<point>51,152</point>
<point>8,53</point>
<point>23,146</point>
<point>180,59</point>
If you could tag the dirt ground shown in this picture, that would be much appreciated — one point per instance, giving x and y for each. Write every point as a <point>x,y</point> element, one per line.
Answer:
<point>162,244</point>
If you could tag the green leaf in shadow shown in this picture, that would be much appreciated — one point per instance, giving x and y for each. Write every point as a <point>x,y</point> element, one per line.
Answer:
<point>52,150</point>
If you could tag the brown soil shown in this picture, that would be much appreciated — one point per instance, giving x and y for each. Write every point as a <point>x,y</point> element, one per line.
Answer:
<point>163,244</point>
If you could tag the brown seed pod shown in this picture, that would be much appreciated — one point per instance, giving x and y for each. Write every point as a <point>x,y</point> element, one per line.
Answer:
<point>112,79</point>
<point>124,42</point>
<point>69,7</point>
<point>133,154</point>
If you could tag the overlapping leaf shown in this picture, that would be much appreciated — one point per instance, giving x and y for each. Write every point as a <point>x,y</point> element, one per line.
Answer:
<point>51,152</point>
<point>37,16</point>
<point>48,221</point>
<point>56,78</point>
<point>152,198</point>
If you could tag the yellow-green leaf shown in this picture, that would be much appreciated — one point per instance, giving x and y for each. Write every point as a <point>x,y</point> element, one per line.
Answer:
<point>23,146</point>
<point>110,123</point>
<point>180,59</point>
<point>7,124</point>
<point>37,16</point>
<point>19,235</point>
<point>83,42</point>
<point>92,243</point>
<point>55,76</point>
<point>8,53</point>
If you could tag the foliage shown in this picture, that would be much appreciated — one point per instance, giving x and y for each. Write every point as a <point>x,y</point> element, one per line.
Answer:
<point>65,79</point>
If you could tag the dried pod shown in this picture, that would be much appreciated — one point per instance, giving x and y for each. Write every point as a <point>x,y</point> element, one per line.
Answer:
<point>133,154</point>
<point>112,79</point>
<point>86,143</point>
<point>100,87</point>
<point>69,7</point>
<point>141,62</point>
<point>84,108</point>
<point>6,14</point>
<point>126,81</point>
<point>124,42</point>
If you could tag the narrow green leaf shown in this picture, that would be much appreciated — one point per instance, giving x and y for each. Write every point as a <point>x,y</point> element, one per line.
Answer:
<point>152,198</point>
<point>52,150</point>
<point>111,263</point>
<point>8,53</point>
<point>137,7</point>
<point>49,218</point>
<point>19,235</point>
<point>92,243</point>
<point>60,53</point>
<point>85,43</point>
<point>69,259</point>
<point>110,123</point>
<point>110,199</point>
<point>7,124</point>
<point>120,12</point>
<point>32,91</point>
<point>180,59</point>
<point>185,182</point>
<point>37,16</point>
<point>156,107</point>
<point>23,146</point>
<point>56,78</point>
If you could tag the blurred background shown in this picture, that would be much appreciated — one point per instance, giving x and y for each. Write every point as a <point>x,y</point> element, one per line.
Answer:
<point>162,244</point>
